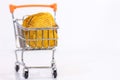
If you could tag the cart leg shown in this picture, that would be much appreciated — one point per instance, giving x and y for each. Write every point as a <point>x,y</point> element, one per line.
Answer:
<point>53,59</point>
<point>53,65</point>
<point>25,69</point>
<point>22,58</point>
<point>17,65</point>
<point>16,56</point>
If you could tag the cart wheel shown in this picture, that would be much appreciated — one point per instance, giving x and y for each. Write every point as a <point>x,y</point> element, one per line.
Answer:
<point>17,68</point>
<point>26,74</point>
<point>54,73</point>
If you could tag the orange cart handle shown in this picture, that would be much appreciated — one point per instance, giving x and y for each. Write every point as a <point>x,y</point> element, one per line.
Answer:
<point>13,7</point>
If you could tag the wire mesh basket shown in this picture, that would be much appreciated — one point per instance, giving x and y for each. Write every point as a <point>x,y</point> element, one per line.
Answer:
<point>41,40</point>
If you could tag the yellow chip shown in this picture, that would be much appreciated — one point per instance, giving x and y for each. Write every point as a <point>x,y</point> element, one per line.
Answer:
<point>40,20</point>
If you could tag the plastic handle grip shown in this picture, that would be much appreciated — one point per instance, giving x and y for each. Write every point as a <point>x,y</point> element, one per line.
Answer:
<point>13,7</point>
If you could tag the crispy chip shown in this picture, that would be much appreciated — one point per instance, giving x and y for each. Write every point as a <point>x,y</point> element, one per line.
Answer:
<point>39,38</point>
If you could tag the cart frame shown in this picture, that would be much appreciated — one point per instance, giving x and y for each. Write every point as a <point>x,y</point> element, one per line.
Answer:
<point>23,47</point>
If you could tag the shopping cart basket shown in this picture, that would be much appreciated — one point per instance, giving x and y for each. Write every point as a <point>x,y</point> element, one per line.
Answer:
<point>24,46</point>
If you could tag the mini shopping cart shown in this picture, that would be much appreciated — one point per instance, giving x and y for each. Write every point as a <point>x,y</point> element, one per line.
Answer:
<point>22,47</point>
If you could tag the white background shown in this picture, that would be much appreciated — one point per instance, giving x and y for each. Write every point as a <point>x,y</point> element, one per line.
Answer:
<point>89,40</point>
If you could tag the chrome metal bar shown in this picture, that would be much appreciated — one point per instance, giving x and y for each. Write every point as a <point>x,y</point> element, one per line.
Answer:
<point>16,56</point>
<point>28,38</point>
<point>53,60</point>
<point>22,57</point>
<point>35,39</point>
<point>47,28</point>
<point>48,38</point>
<point>53,37</point>
<point>55,16</point>
<point>40,67</point>
<point>42,38</point>
<point>13,19</point>
<point>56,39</point>
<point>53,55</point>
